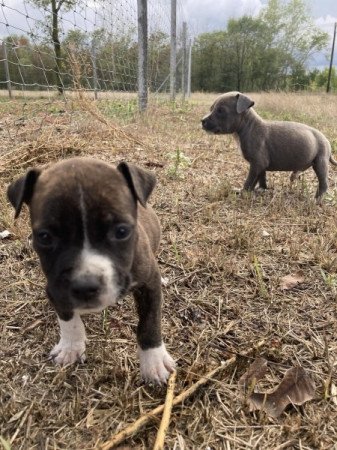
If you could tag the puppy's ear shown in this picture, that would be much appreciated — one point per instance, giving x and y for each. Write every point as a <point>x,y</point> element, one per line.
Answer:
<point>140,181</point>
<point>243,103</point>
<point>21,190</point>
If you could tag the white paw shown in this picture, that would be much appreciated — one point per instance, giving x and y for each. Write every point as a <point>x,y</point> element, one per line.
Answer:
<point>165,281</point>
<point>68,353</point>
<point>71,347</point>
<point>155,364</point>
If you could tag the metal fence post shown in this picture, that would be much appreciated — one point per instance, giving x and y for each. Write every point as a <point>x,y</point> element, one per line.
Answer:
<point>142,55</point>
<point>184,61</point>
<point>173,54</point>
<point>8,80</point>
<point>189,68</point>
<point>94,66</point>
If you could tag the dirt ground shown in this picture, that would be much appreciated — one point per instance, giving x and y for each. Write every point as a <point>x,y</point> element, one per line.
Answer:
<point>224,255</point>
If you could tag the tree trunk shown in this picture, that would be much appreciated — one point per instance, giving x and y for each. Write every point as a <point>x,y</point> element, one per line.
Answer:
<point>57,46</point>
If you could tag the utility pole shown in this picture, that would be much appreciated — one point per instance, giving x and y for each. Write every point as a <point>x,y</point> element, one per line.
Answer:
<point>142,55</point>
<point>331,58</point>
<point>173,54</point>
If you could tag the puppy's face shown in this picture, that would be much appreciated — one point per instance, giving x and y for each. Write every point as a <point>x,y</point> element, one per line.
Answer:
<point>84,222</point>
<point>226,113</point>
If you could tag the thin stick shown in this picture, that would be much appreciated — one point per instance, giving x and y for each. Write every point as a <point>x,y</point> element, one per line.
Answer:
<point>146,418</point>
<point>164,424</point>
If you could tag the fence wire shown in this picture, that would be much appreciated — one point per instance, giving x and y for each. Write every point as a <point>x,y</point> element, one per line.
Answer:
<point>92,45</point>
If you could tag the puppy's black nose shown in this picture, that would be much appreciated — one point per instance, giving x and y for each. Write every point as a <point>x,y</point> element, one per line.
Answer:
<point>85,288</point>
<point>203,121</point>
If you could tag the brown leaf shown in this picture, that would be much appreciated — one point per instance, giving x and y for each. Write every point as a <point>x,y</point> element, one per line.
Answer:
<point>295,388</point>
<point>115,323</point>
<point>290,281</point>
<point>255,372</point>
<point>153,164</point>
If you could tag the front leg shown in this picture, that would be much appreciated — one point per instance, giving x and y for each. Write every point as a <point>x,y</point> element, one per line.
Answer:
<point>253,176</point>
<point>155,362</point>
<point>263,180</point>
<point>71,347</point>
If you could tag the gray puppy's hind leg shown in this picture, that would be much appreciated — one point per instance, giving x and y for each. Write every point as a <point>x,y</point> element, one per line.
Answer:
<point>295,175</point>
<point>321,168</point>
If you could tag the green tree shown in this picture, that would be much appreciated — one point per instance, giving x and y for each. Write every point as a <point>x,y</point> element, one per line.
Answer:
<point>77,61</point>
<point>159,58</point>
<point>321,79</point>
<point>30,64</point>
<point>55,6</point>
<point>209,62</point>
<point>116,57</point>
<point>246,44</point>
<point>291,28</point>
<point>265,52</point>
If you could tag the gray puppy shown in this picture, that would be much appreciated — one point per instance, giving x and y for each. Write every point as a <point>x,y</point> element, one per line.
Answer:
<point>270,145</point>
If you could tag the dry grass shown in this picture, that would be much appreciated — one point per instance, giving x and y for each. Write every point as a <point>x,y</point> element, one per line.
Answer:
<point>224,256</point>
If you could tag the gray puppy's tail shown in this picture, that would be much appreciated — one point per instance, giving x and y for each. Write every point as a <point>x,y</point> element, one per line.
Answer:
<point>332,160</point>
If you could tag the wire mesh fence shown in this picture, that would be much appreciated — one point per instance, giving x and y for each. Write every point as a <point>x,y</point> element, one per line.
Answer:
<point>62,45</point>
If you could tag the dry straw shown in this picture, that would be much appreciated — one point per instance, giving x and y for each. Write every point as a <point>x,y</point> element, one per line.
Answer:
<point>213,241</point>
<point>85,104</point>
<point>165,421</point>
<point>54,142</point>
<point>132,429</point>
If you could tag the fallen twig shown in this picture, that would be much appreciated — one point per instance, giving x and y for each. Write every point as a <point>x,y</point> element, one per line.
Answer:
<point>146,418</point>
<point>159,444</point>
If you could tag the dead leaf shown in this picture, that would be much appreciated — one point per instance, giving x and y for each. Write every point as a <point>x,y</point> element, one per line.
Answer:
<point>115,323</point>
<point>290,281</point>
<point>17,416</point>
<point>153,164</point>
<point>255,372</point>
<point>296,388</point>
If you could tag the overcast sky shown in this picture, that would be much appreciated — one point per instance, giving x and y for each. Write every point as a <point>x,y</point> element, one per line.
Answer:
<point>18,16</point>
<point>209,15</point>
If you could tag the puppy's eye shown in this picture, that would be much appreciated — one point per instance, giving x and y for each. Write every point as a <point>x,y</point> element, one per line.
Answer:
<point>121,232</point>
<point>44,238</point>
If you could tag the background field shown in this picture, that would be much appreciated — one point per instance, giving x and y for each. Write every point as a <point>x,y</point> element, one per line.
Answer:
<point>224,255</point>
